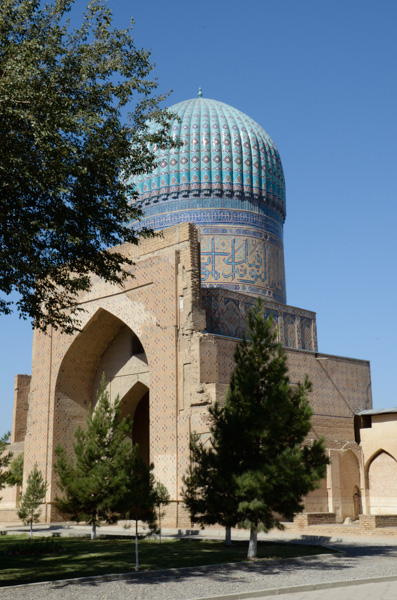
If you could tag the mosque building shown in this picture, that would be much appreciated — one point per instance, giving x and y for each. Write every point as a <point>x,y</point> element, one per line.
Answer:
<point>166,339</point>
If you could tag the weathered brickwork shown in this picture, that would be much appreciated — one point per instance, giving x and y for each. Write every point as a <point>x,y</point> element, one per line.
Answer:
<point>308,518</point>
<point>20,414</point>
<point>369,522</point>
<point>341,386</point>
<point>149,338</point>
<point>165,339</point>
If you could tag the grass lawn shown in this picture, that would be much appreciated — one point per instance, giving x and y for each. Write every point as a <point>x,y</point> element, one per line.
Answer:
<point>84,557</point>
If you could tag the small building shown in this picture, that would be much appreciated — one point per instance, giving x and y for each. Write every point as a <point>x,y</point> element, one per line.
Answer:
<point>376,433</point>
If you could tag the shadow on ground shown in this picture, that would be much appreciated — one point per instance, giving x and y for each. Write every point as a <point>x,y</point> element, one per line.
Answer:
<point>243,572</point>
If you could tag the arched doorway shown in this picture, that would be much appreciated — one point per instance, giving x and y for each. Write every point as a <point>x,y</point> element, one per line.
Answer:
<point>349,484</point>
<point>357,504</point>
<point>136,405</point>
<point>141,428</point>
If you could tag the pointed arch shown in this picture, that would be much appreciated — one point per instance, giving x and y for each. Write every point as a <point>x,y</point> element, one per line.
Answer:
<point>373,456</point>
<point>135,404</point>
<point>381,475</point>
<point>105,345</point>
<point>80,363</point>
<point>349,469</point>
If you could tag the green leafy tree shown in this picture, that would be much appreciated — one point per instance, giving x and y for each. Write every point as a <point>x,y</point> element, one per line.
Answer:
<point>161,500</point>
<point>5,459</point>
<point>15,473</point>
<point>67,153</point>
<point>271,467</point>
<point>36,488</point>
<point>94,481</point>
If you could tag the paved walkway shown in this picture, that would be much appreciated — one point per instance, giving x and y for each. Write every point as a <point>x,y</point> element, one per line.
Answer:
<point>365,569</point>
<point>366,591</point>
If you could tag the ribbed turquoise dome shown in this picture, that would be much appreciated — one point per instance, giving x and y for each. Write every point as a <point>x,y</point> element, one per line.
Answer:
<point>224,152</point>
<point>226,177</point>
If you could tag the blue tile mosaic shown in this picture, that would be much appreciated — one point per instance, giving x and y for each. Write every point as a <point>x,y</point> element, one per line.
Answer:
<point>222,150</point>
<point>226,177</point>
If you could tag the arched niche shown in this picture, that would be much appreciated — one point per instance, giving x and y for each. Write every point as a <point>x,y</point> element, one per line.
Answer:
<point>382,483</point>
<point>357,502</point>
<point>317,500</point>
<point>105,345</point>
<point>349,470</point>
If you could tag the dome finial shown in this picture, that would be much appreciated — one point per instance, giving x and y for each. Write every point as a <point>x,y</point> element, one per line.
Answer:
<point>200,93</point>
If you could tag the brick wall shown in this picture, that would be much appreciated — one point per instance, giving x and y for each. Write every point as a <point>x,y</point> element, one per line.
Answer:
<point>21,403</point>
<point>305,519</point>
<point>369,522</point>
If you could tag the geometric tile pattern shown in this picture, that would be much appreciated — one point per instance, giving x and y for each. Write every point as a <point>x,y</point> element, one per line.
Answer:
<point>227,313</point>
<point>222,150</point>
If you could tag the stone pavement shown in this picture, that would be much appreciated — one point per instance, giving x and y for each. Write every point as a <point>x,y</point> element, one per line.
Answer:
<point>386,590</point>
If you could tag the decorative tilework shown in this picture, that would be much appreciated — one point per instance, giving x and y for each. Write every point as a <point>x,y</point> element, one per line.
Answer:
<point>227,178</point>
<point>240,250</point>
<point>306,337</point>
<point>289,332</point>
<point>227,315</point>
<point>251,262</point>
<point>201,210</point>
<point>222,150</point>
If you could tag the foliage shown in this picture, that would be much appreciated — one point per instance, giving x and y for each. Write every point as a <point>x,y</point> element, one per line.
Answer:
<point>107,478</point>
<point>5,459</point>
<point>161,500</point>
<point>94,482</point>
<point>30,500</point>
<point>67,153</point>
<point>139,496</point>
<point>260,434</point>
<point>209,486</point>
<point>15,473</point>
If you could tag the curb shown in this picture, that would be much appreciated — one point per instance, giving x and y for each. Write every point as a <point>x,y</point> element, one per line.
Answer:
<point>237,596</point>
<point>299,588</point>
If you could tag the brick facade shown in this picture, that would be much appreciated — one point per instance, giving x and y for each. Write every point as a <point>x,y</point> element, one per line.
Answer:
<point>179,366</point>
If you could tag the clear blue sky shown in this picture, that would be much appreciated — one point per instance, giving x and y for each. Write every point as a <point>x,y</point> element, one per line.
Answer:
<point>320,77</point>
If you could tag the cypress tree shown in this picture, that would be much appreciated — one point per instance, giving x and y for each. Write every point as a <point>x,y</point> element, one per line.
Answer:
<point>259,466</point>
<point>95,481</point>
<point>209,489</point>
<point>139,496</point>
<point>36,488</point>
<point>161,500</point>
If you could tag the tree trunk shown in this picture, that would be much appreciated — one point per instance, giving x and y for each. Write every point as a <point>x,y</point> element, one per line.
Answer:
<point>253,543</point>
<point>160,528</point>
<point>136,546</point>
<point>31,529</point>
<point>228,535</point>
<point>93,530</point>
